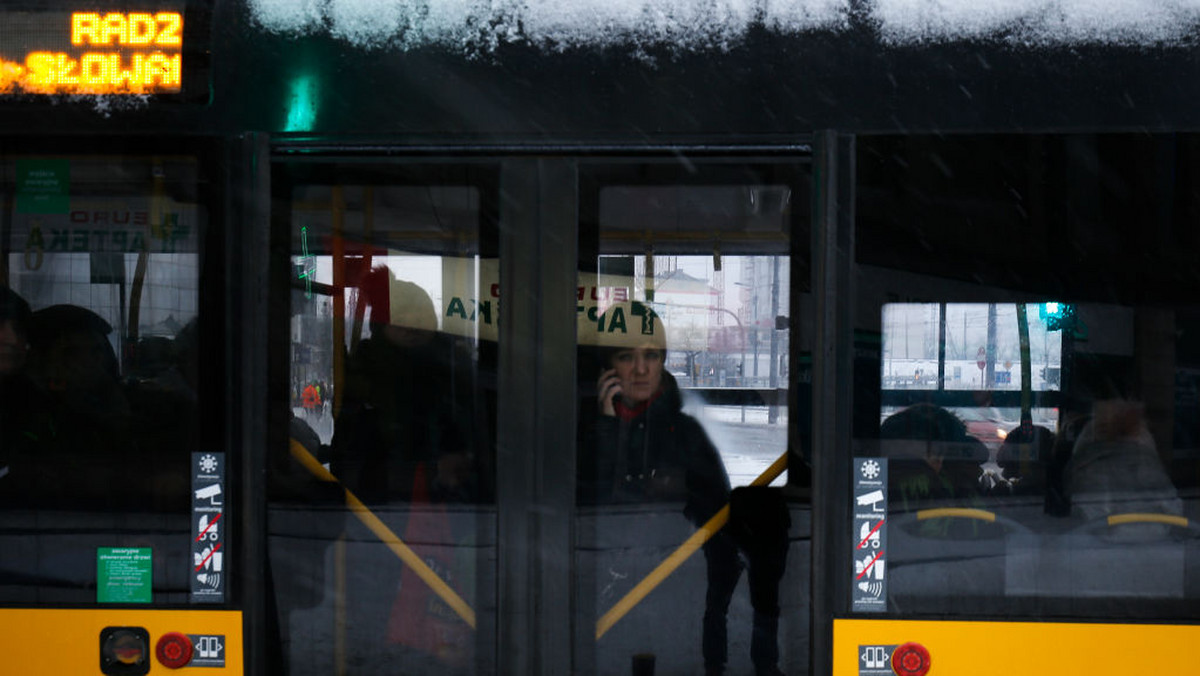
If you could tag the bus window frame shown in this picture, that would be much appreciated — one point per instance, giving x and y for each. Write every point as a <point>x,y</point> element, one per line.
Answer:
<point>698,168</point>
<point>224,252</point>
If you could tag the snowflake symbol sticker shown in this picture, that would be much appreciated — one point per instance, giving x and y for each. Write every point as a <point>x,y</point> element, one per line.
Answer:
<point>870,469</point>
<point>208,464</point>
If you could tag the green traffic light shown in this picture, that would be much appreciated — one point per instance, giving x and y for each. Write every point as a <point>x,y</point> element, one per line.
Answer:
<point>1055,315</point>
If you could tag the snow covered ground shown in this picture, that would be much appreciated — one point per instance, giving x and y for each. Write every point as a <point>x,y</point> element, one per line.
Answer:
<point>747,441</point>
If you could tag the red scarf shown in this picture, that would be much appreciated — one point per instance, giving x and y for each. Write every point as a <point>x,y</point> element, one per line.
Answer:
<point>627,414</point>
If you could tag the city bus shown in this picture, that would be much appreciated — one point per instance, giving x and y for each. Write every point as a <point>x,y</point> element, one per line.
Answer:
<point>309,311</point>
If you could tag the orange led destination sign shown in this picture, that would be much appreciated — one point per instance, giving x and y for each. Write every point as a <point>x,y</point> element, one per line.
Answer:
<point>91,53</point>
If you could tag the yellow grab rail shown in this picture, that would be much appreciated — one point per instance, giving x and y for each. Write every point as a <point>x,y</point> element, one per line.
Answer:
<point>385,535</point>
<point>959,512</point>
<point>681,554</point>
<point>1141,517</point>
<point>452,599</point>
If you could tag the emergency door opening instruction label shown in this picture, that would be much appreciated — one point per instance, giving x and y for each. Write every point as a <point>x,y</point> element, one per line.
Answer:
<point>208,570</point>
<point>869,581</point>
<point>124,575</point>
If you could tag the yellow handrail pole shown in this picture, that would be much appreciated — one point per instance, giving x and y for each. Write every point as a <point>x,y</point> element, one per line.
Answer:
<point>681,554</point>
<point>664,569</point>
<point>385,535</point>
<point>772,473</point>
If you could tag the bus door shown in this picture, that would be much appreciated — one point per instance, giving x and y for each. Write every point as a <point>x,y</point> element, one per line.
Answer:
<point>381,524</point>
<point>438,501</point>
<point>1022,466</point>
<point>692,373</point>
<point>120,507</point>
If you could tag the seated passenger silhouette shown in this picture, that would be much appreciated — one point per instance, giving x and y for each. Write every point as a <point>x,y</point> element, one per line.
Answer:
<point>1115,467</point>
<point>933,461</point>
<point>15,316</point>
<point>82,427</point>
<point>1024,456</point>
<point>15,392</point>
<point>639,446</point>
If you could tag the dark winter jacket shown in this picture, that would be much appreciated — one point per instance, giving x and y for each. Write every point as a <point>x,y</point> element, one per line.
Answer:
<point>654,454</point>
<point>402,410</point>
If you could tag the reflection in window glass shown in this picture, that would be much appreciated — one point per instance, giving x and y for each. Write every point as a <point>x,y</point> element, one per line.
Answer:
<point>684,369</point>
<point>313,326</point>
<point>99,374</point>
<point>1093,475</point>
<point>722,345</point>
<point>1041,456</point>
<point>978,347</point>
<point>391,388</point>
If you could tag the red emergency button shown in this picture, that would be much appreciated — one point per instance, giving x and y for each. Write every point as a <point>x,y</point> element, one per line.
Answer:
<point>174,650</point>
<point>910,659</point>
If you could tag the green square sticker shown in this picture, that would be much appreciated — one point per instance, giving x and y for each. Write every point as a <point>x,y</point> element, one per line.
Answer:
<point>123,575</point>
<point>43,186</point>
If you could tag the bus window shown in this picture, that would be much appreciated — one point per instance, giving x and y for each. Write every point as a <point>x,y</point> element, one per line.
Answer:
<point>931,347</point>
<point>100,388</point>
<point>381,527</point>
<point>968,346</point>
<point>685,360</point>
<point>1033,417</point>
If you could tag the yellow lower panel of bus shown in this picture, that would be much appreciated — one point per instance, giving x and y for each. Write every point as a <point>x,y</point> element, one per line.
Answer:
<point>1007,648</point>
<point>55,642</point>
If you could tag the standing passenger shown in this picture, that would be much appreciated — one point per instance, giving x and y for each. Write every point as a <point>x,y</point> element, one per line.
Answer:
<point>398,413</point>
<point>646,449</point>
<point>401,439</point>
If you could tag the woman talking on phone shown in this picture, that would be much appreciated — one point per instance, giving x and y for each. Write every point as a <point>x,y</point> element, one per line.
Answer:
<point>644,448</point>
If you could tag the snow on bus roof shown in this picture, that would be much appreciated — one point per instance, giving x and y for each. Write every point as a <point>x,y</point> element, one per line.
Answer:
<point>552,24</point>
<point>1039,22</point>
<point>473,25</point>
